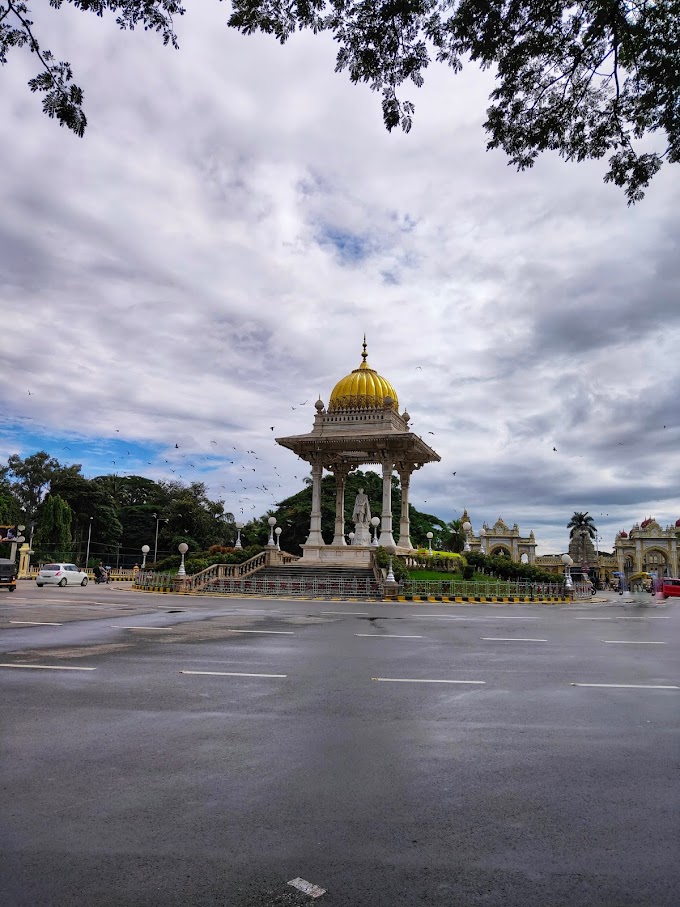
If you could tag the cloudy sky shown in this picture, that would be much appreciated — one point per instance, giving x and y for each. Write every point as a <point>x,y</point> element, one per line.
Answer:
<point>204,263</point>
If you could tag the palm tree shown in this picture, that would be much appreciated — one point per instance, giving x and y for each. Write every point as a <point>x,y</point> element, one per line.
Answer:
<point>582,525</point>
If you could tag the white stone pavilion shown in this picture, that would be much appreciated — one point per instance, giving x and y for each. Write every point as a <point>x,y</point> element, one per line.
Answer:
<point>361,425</point>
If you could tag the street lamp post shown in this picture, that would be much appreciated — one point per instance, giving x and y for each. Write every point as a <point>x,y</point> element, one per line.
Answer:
<point>155,544</point>
<point>375,522</point>
<point>89,536</point>
<point>239,527</point>
<point>467,526</point>
<point>429,536</point>
<point>567,561</point>
<point>145,551</point>
<point>351,538</point>
<point>272,522</point>
<point>278,532</point>
<point>182,548</point>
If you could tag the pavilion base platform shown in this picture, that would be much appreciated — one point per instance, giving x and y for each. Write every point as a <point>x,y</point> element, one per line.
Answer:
<point>341,555</point>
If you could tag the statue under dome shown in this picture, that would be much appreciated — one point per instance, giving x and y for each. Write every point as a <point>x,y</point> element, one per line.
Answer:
<point>361,425</point>
<point>361,517</point>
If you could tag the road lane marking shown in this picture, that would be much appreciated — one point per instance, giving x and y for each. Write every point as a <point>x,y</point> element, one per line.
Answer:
<point>257,610</point>
<point>231,674</point>
<point>119,627</point>
<point>314,891</point>
<point>47,667</point>
<point>277,632</point>
<point>510,639</point>
<point>361,613</point>
<point>37,623</point>
<point>627,686</point>
<point>647,617</point>
<point>594,618</point>
<point>632,642</point>
<point>495,617</point>
<point>418,680</point>
<point>386,636</point>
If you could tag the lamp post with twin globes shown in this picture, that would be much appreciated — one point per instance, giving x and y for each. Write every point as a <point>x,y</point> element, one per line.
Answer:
<point>375,522</point>
<point>182,548</point>
<point>467,526</point>
<point>272,522</point>
<point>567,561</point>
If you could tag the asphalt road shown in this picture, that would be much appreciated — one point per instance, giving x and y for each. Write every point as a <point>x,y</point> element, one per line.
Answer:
<point>392,754</point>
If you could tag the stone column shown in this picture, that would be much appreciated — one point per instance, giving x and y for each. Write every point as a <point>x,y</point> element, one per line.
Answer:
<point>340,472</point>
<point>315,537</point>
<point>386,537</point>
<point>674,557</point>
<point>404,522</point>
<point>638,555</point>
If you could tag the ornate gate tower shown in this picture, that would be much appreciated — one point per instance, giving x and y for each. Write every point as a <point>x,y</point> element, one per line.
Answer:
<point>361,425</point>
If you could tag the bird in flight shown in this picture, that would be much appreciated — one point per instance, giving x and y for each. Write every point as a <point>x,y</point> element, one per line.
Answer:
<point>307,401</point>
<point>66,448</point>
<point>176,446</point>
<point>453,473</point>
<point>419,368</point>
<point>430,432</point>
<point>213,442</point>
<point>555,449</point>
<point>271,427</point>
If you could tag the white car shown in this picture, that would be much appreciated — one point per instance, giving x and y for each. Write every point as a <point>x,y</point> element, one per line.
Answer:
<point>61,574</point>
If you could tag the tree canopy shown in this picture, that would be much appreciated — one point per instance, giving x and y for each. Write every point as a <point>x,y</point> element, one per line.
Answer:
<point>582,523</point>
<point>583,78</point>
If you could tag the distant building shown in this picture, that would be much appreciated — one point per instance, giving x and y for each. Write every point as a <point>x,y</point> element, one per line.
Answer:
<point>501,541</point>
<point>648,547</point>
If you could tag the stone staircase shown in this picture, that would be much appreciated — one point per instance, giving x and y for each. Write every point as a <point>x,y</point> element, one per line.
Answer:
<point>296,580</point>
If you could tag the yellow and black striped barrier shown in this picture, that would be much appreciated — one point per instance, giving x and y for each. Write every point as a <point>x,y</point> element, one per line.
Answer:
<point>481,599</point>
<point>159,588</point>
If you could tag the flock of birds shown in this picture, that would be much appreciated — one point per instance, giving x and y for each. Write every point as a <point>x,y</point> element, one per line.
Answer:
<point>243,490</point>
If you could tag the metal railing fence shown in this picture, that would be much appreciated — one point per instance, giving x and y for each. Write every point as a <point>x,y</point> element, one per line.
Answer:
<point>265,585</point>
<point>491,589</point>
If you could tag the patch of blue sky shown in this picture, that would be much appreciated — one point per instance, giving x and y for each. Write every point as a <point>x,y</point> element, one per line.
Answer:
<point>351,248</point>
<point>97,455</point>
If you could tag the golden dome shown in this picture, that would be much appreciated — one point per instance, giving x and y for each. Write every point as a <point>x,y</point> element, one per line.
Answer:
<point>363,388</point>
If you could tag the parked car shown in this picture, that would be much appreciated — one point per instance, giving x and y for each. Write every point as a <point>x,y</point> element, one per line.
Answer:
<point>61,575</point>
<point>669,587</point>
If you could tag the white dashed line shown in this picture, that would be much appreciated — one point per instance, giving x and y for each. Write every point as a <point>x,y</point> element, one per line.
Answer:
<point>386,636</point>
<point>37,623</point>
<point>277,632</point>
<point>594,618</point>
<point>647,617</point>
<point>307,887</point>
<point>360,613</point>
<point>496,617</point>
<point>632,642</point>
<point>231,674</point>
<point>418,680</point>
<point>627,686</point>
<point>510,639</point>
<point>47,667</point>
<point>119,627</point>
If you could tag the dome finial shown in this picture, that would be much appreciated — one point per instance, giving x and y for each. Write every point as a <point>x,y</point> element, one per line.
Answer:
<point>364,355</point>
